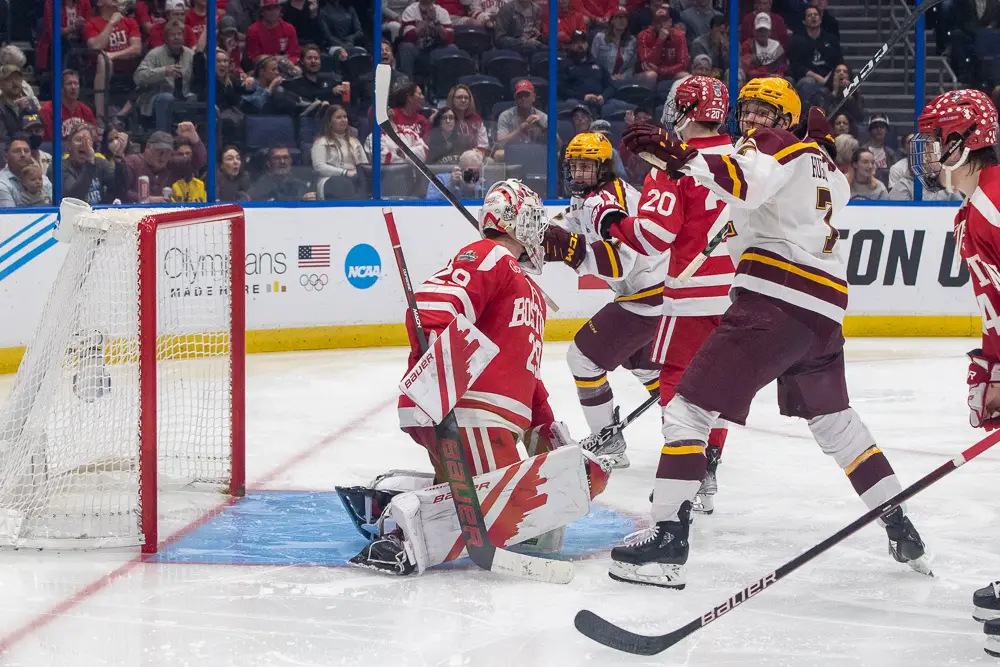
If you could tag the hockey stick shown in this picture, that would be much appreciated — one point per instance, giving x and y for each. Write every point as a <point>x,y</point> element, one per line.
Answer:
<point>459,473</point>
<point>383,79</point>
<point>611,635</point>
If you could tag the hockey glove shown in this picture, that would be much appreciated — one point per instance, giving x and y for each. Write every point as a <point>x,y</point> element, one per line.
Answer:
<point>815,127</point>
<point>564,246</point>
<point>655,141</point>
<point>983,378</point>
<point>605,214</point>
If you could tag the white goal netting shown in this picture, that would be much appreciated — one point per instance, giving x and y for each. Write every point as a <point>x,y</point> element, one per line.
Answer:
<point>100,394</point>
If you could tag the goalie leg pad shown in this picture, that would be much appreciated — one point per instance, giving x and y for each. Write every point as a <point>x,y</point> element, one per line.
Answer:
<point>521,501</point>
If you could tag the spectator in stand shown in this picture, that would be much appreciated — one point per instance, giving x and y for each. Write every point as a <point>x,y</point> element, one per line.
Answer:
<point>12,192</point>
<point>245,12</point>
<point>230,41</point>
<point>426,26</point>
<point>366,83</point>
<point>835,85</point>
<point>598,13</point>
<point>163,79</point>
<point>779,30</point>
<point>149,13</point>
<point>336,157</point>
<point>467,122</point>
<point>604,127</point>
<point>698,19</point>
<point>340,21</point>
<point>715,45</point>
<point>641,13</point>
<point>74,14</point>
<point>571,21</point>
<point>484,12</point>
<point>188,188</point>
<point>229,93</point>
<point>580,77</point>
<point>35,131</point>
<point>636,169</point>
<point>864,185</point>
<point>762,56</point>
<point>581,118</point>
<point>176,10</point>
<point>278,183</point>
<point>118,39</point>
<point>154,163</point>
<point>700,66</point>
<point>270,36</point>
<point>197,18</point>
<point>269,96</point>
<point>391,154</point>
<point>89,176</point>
<point>11,55</point>
<point>885,157</point>
<point>405,105</point>
<point>392,18</point>
<point>311,86</point>
<point>231,181</point>
<point>444,142</point>
<point>842,124</point>
<point>827,21</point>
<point>518,26</point>
<point>970,16</point>
<point>464,180</point>
<point>846,146</point>
<point>72,107</point>
<point>522,123</point>
<point>36,190</point>
<point>13,103</point>
<point>812,57</point>
<point>303,15</point>
<point>614,49</point>
<point>663,53</point>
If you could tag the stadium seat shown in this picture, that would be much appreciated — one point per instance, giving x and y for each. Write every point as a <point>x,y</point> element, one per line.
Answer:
<point>307,129</point>
<point>531,157</point>
<point>564,129</point>
<point>635,94</point>
<point>541,90</point>
<point>397,181</point>
<point>473,39</point>
<point>490,54</point>
<point>615,109</point>
<point>617,128</point>
<point>540,63</point>
<point>506,68</point>
<point>988,52</point>
<point>267,131</point>
<point>358,62</point>
<point>486,90</point>
<point>499,108</point>
<point>658,113</point>
<point>447,70</point>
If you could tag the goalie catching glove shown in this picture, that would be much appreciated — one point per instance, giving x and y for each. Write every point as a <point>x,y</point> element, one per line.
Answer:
<point>983,378</point>
<point>652,140</point>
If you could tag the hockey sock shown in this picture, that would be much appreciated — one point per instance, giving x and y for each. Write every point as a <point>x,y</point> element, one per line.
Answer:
<point>717,438</point>
<point>682,459</point>
<point>597,400</point>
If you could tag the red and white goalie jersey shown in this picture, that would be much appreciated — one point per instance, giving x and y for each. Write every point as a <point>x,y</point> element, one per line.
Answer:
<point>484,283</point>
<point>676,216</point>
<point>977,235</point>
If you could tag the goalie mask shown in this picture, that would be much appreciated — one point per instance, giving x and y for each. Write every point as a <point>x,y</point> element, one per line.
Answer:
<point>951,126</point>
<point>512,208</point>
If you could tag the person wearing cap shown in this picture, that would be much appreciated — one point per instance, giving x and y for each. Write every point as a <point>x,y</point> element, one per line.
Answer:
<point>522,123</point>
<point>571,20</point>
<point>580,77</point>
<point>34,128</point>
<point>426,25</point>
<point>154,163</point>
<point>812,55</point>
<point>270,36</point>
<point>118,38</point>
<point>878,128</point>
<point>581,117</point>
<point>18,156</point>
<point>74,14</point>
<point>663,52</point>
<point>698,19</point>
<point>715,44</point>
<point>779,29</point>
<point>11,110</point>
<point>763,56</point>
<point>519,26</point>
<point>614,48</point>
<point>602,126</point>
<point>163,78</point>
<point>228,41</point>
<point>176,10</point>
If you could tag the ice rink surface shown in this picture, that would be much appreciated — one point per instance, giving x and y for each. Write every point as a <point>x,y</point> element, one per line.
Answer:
<point>259,583</point>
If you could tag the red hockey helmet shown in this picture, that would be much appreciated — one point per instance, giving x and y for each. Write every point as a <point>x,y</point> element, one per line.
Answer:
<point>697,98</point>
<point>956,122</point>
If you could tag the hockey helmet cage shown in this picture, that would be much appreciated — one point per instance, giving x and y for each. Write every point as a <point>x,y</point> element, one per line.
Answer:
<point>967,118</point>
<point>589,146</point>
<point>698,98</point>
<point>776,92</point>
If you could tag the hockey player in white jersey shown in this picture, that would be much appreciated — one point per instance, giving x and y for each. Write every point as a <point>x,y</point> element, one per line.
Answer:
<point>622,332</point>
<point>789,297</point>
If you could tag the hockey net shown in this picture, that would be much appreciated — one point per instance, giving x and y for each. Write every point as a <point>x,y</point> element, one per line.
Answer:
<point>132,383</point>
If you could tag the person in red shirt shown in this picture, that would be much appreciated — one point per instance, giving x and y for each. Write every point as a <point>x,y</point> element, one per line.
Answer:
<point>149,13</point>
<point>571,19</point>
<point>663,52</point>
<point>270,36</point>
<point>175,10</point>
<point>74,14</point>
<point>406,103</point>
<point>197,17</point>
<point>117,37</point>
<point>72,107</point>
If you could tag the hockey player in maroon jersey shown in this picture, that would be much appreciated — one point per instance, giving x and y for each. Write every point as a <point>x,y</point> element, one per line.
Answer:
<point>486,282</point>
<point>676,216</point>
<point>789,297</point>
<point>964,124</point>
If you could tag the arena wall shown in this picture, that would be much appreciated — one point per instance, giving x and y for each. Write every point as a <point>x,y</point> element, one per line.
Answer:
<point>906,278</point>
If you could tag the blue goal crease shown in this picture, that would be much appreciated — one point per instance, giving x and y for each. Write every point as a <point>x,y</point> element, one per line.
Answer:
<point>311,528</point>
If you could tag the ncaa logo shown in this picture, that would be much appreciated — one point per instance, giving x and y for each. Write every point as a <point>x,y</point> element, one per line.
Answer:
<point>363,266</point>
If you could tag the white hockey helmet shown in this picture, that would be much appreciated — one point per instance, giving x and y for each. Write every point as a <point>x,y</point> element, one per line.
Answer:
<point>514,209</point>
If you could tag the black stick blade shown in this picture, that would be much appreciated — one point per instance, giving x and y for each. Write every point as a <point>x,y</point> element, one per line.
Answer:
<point>609,634</point>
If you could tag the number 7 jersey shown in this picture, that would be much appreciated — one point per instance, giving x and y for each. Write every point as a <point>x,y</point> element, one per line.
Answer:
<point>977,235</point>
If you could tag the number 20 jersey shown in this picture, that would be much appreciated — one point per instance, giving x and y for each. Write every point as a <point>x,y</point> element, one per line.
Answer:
<point>484,283</point>
<point>977,235</point>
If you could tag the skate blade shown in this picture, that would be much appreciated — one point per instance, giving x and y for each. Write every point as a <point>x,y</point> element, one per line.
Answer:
<point>618,461</point>
<point>992,646</point>
<point>982,615</point>
<point>921,565</point>
<point>662,575</point>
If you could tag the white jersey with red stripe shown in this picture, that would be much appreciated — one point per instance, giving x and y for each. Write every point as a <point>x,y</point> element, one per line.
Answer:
<point>484,283</point>
<point>675,217</point>
<point>636,280</point>
<point>977,235</point>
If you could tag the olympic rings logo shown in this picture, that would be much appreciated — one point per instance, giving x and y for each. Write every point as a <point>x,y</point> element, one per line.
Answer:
<point>313,282</point>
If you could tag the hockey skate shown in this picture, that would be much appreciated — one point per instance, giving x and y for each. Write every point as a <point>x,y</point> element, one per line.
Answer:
<point>386,554</point>
<point>704,501</point>
<point>609,445</point>
<point>986,602</point>
<point>905,544</point>
<point>992,630</point>
<point>658,555</point>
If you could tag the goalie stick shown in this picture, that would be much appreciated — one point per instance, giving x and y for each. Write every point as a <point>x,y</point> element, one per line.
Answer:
<point>609,634</point>
<point>383,79</point>
<point>459,473</point>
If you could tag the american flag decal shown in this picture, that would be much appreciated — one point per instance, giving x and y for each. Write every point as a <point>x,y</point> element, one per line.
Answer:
<point>314,256</point>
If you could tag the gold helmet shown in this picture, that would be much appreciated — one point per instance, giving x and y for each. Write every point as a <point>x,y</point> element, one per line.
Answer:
<point>774,91</point>
<point>589,146</point>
